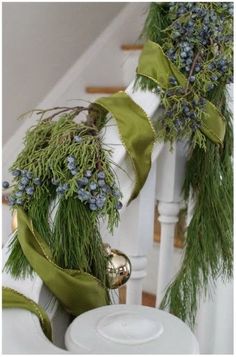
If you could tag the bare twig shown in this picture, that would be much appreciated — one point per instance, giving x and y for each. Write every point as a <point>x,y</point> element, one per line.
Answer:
<point>191,70</point>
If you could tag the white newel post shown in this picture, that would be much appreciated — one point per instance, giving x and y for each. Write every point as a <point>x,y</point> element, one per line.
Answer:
<point>170,178</point>
<point>136,236</point>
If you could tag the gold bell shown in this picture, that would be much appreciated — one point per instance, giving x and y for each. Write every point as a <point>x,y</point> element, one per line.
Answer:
<point>118,268</point>
<point>14,221</point>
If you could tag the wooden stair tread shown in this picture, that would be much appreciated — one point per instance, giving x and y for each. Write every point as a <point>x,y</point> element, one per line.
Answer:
<point>147,298</point>
<point>103,90</point>
<point>131,47</point>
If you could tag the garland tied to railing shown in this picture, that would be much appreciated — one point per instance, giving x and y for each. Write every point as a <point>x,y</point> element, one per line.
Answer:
<point>64,184</point>
<point>63,187</point>
<point>197,49</point>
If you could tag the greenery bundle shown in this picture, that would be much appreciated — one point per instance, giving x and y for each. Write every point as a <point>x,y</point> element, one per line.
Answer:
<point>63,179</point>
<point>198,38</point>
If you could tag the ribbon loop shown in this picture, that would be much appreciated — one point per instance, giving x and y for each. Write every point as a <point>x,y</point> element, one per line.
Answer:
<point>155,65</point>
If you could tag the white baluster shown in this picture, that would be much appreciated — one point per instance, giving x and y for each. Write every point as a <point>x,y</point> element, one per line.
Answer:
<point>135,284</point>
<point>168,218</point>
<point>136,236</point>
<point>170,177</point>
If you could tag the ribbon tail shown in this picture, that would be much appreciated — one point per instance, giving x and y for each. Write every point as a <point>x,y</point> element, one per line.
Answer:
<point>136,133</point>
<point>13,299</point>
<point>77,291</point>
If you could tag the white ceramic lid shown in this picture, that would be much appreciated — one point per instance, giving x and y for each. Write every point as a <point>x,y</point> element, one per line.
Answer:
<point>129,329</point>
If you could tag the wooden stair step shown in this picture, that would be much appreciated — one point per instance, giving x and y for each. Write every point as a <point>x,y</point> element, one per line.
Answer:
<point>147,298</point>
<point>103,90</point>
<point>131,47</point>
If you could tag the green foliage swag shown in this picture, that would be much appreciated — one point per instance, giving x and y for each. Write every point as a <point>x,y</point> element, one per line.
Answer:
<point>64,181</point>
<point>197,38</point>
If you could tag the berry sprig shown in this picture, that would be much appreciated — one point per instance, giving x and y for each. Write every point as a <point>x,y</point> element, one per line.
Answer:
<point>23,188</point>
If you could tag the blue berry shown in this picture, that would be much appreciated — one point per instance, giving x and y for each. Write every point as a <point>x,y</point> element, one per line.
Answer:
<point>29,191</point>
<point>83,195</point>
<point>29,175</point>
<point>88,173</point>
<point>119,205</point>
<point>210,66</point>
<point>101,175</point>
<point>16,173</point>
<point>5,184</point>
<point>92,207</point>
<point>214,78</point>
<point>78,139</point>
<point>202,101</point>
<point>24,181</point>
<point>106,189</point>
<point>70,159</point>
<point>60,189</point>
<point>101,183</point>
<point>83,181</point>
<point>23,172</point>
<point>117,193</point>
<point>92,200</point>
<point>71,166</point>
<point>186,109</point>
<point>93,186</point>
<point>21,187</point>
<point>19,201</point>
<point>12,201</point>
<point>37,181</point>
<point>74,172</point>
<point>100,203</point>
<point>19,194</point>
<point>65,186</point>
<point>172,80</point>
<point>192,79</point>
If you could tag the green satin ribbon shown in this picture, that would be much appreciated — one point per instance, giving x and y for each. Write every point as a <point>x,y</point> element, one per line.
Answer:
<point>78,292</point>
<point>13,299</point>
<point>154,64</point>
<point>136,132</point>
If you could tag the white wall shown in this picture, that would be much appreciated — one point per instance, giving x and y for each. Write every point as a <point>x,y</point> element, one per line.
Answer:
<point>41,41</point>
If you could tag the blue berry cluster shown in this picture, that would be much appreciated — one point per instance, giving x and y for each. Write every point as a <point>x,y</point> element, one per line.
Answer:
<point>71,165</point>
<point>195,26</point>
<point>94,190</point>
<point>25,187</point>
<point>186,114</point>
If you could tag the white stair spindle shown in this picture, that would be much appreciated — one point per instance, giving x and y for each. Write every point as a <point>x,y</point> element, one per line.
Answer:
<point>168,218</point>
<point>135,284</point>
<point>170,178</point>
<point>136,236</point>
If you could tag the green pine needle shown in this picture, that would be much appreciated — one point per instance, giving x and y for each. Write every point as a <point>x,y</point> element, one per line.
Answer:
<point>209,238</point>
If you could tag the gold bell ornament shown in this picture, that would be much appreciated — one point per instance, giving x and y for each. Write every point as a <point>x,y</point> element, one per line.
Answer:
<point>118,267</point>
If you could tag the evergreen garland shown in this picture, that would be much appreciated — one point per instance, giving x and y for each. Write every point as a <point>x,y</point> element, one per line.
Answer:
<point>64,181</point>
<point>197,38</point>
<point>63,178</point>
